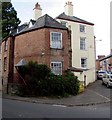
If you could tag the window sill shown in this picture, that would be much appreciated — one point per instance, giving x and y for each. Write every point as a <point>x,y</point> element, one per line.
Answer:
<point>83,50</point>
<point>57,48</point>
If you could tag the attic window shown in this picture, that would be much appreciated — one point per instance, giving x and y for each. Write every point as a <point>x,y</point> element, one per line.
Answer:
<point>82,28</point>
<point>63,23</point>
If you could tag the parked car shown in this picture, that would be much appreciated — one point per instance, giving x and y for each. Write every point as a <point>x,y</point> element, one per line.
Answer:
<point>107,80</point>
<point>101,74</point>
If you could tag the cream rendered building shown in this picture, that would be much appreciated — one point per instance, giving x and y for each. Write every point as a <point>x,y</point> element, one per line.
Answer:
<point>82,44</point>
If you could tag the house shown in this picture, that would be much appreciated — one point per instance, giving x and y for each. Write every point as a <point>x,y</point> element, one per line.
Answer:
<point>99,65</point>
<point>7,48</point>
<point>107,63</point>
<point>82,44</point>
<point>45,41</point>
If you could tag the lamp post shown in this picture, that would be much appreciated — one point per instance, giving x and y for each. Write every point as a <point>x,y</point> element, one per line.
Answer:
<point>96,40</point>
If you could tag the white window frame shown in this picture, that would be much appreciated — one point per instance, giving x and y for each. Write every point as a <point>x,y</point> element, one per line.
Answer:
<point>54,68</point>
<point>56,44</point>
<point>85,64</point>
<point>82,28</point>
<point>82,43</point>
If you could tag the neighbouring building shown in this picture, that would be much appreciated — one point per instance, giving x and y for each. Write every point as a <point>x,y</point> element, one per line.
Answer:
<point>106,63</point>
<point>7,48</point>
<point>82,44</point>
<point>99,65</point>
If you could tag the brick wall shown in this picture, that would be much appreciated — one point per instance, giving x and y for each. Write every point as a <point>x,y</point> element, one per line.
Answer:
<point>35,45</point>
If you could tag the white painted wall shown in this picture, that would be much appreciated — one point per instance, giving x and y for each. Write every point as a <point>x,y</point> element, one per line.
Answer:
<point>89,53</point>
<point>77,54</point>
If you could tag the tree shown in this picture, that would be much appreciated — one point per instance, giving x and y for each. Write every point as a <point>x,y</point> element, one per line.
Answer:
<point>9,18</point>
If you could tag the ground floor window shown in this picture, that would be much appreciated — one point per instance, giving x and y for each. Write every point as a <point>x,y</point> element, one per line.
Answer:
<point>84,62</point>
<point>56,68</point>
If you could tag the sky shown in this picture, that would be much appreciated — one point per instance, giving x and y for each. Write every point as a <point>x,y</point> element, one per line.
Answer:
<point>95,11</point>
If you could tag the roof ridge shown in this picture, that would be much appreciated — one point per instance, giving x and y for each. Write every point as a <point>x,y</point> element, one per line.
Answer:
<point>73,18</point>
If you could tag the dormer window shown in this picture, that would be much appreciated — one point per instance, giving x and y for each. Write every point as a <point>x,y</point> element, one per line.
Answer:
<point>82,28</point>
<point>63,23</point>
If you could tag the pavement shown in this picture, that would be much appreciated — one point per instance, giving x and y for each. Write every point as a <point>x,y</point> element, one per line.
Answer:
<point>88,97</point>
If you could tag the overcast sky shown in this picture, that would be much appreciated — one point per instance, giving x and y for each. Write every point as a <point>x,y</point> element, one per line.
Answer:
<point>95,11</point>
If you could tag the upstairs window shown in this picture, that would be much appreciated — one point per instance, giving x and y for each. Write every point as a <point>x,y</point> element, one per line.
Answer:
<point>6,45</point>
<point>56,40</point>
<point>56,68</point>
<point>82,43</point>
<point>82,28</point>
<point>83,62</point>
<point>5,64</point>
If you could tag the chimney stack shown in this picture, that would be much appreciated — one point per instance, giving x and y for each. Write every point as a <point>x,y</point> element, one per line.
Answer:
<point>68,8</point>
<point>37,11</point>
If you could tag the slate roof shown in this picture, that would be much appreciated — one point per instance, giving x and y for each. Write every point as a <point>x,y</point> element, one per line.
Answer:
<point>44,21</point>
<point>73,18</point>
<point>22,62</point>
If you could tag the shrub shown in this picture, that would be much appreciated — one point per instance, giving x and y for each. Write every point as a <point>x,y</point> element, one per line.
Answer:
<point>71,83</point>
<point>42,82</point>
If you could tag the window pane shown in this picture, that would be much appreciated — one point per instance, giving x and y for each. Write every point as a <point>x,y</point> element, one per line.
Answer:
<point>83,62</point>
<point>56,40</point>
<point>56,68</point>
<point>82,28</point>
<point>82,43</point>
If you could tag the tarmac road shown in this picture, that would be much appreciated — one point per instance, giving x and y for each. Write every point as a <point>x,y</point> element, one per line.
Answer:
<point>93,103</point>
<point>21,109</point>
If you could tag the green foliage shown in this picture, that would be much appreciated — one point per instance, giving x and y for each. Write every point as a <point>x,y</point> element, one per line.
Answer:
<point>9,18</point>
<point>71,83</point>
<point>42,82</point>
